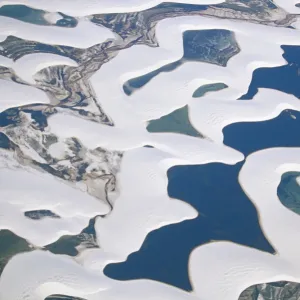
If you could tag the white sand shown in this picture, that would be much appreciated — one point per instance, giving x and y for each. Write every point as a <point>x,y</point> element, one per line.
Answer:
<point>52,17</point>
<point>289,5</point>
<point>28,65</point>
<point>222,270</point>
<point>14,94</point>
<point>143,185</point>
<point>38,192</point>
<point>212,115</point>
<point>260,47</point>
<point>45,273</point>
<point>88,7</point>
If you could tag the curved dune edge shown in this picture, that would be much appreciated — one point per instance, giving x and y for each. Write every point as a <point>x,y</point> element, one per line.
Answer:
<point>14,95</point>
<point>212,115</point>
<point>143,181</point>
<point>79,8</point>
<point>169,91</point>
<point>84,35</point>
<point>280,290</point>
<point>218,269</point>
<point>74,207</point>
<point>143,194</point>
<point>27,66</point>
<point>232,268</point>
<point>289,6</point>
<point>271,164</point>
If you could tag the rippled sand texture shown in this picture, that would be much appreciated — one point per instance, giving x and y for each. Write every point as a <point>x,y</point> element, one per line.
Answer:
<point>75,147</point>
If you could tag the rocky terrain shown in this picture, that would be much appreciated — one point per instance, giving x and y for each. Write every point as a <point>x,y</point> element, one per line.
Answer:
<point>281,290</point>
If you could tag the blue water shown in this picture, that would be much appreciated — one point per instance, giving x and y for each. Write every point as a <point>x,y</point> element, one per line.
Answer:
<point>288,191</point>
<point>198,45</point>
<point>284,78</point>
<point>35,16</point>
<point>249,137</point>
<point>225,212</point>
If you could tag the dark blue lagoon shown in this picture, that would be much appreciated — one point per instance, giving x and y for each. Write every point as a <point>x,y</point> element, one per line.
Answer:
<point>35,16</point>
<point>289,191</point>
<point>225,212</point>
<point>284,78</point>
<point>249,137</point>
<point>24,13</point>
<point>214,46</point>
